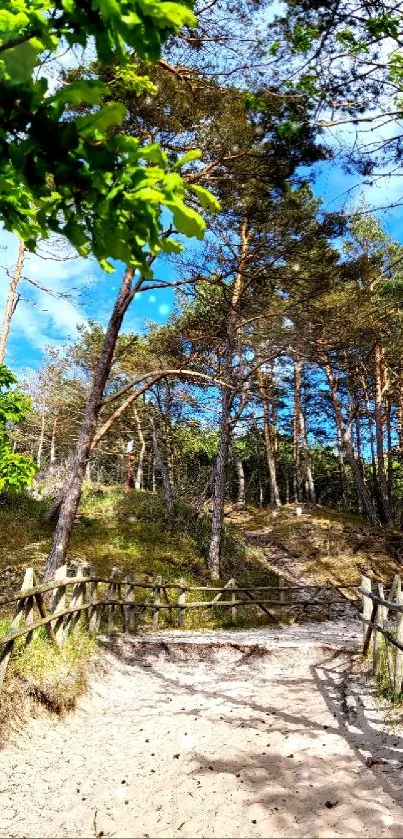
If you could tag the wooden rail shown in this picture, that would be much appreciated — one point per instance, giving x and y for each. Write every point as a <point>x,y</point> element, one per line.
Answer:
<point>61,602</point>
<point>378,625</point>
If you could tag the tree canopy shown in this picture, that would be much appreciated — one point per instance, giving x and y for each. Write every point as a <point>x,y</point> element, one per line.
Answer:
<point>68,172</point>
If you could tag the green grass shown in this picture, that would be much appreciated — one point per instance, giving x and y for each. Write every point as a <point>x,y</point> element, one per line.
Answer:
<point>41,675</point>
<point>328,545</point>
<point>55,676</point>
<point>133,534</point>
<point>385,685</point>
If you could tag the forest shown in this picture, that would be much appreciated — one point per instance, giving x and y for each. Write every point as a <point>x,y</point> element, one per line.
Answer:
<point>201,418</point>
<point>179,150</point>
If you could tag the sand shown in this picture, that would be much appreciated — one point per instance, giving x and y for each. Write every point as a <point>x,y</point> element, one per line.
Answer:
<point>248,734</point>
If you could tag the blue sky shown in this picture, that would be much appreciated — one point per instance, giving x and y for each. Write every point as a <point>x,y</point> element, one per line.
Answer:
<point>41,319</point>
<point>48,320</point>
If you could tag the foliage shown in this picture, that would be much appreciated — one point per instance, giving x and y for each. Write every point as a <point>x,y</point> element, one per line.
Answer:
<point>67,171</point>
<point>54,677</point>
<point>335,49</point>
<point>16,470</point>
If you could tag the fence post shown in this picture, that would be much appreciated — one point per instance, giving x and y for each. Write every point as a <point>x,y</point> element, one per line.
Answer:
<point>94,614</point>
<point>58,604</point>
<point>233,599</point>
<point>77,598</point>
<point>43,613</point>
<point>129,610</point>
<point>366,603</point>
<point>377,636</point>
<point>182,602</point>
<point>157,601</point>
<point>110,595</point>
<point>29,603</point>
<point>329,593</point>
<point>399,638</point>
<point>6,651</point>
<point>281,589</point>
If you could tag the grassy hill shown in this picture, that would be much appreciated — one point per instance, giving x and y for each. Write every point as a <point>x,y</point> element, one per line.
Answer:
<point>131,532</point>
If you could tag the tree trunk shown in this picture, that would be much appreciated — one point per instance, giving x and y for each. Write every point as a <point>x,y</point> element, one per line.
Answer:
<point>306,460</point>
<point>217,519</point>
<point>296,428</point>
<point>88,472</point>
<point>371,438</point>
<point>400,416</point>
<point>275,500</point>
<point>12,300</point>
<point>74,480</point>
<point>53,442</point>
<point>383,486</point>
<point>162,469</point>
<point>241,479</point>
<point>138,483</point>
<point>41,439</point>
<point>287,487</point>
<point>348,451</point>
<point>359,440</point>
<point>390,451</point>
<point>220,472</point>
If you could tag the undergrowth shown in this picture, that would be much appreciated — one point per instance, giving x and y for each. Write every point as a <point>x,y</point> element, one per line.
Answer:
<point>41,675</point>
<point>384,678</point>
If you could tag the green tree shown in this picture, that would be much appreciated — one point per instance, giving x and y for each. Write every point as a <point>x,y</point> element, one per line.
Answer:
<point>16,470</point>
<point>67,171</point>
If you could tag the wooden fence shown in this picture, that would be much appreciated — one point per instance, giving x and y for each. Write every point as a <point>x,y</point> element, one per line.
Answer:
<point>111,601</point>
<point>379,624</point>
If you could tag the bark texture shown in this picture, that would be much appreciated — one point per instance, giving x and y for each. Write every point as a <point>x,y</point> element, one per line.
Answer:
<point>229,351</point>
<point>348,451</point>
<point>12,300</point>
<point>73,484</point>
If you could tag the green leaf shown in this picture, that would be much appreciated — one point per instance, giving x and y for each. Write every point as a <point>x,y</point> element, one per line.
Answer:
<point>106,266</point>
<point>274,48</point>
<point>187,221</point>
<point>188,157</point>
<point>95,125</point>
<point>87,91</point>
<point>154,154</point>
<point>170,246</point>
<point>206,198</point>
<point>17,64</point>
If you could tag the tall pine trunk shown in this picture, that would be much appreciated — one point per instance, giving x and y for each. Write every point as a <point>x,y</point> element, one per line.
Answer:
<point>53,442</point>
<point>296,428</point>
<point>217,519</point>
<point>73,484</point>
<point>162,469</point>
<point>41,440</point>
<point>348,451</point>
<point>12,300</point>
<point>220,473</point>
<point>240,471</point>
<point>306,461</point>
<point>138,483</point>
<point>383,485</point>
<point>389,451</point>
<point>275,500</point>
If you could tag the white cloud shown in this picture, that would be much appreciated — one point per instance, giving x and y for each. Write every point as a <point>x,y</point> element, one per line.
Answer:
<point>49,320</point>
<point>152,298</point>
<point>164,309</point>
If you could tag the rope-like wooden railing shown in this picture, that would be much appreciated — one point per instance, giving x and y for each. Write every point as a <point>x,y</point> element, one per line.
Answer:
<point>378,625</point>
<point>61,602</point>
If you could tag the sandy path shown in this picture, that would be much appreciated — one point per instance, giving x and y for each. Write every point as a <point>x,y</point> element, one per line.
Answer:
<point>205,743</point>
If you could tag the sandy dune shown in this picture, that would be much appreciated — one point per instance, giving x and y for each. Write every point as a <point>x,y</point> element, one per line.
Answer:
<point>195,740</point>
